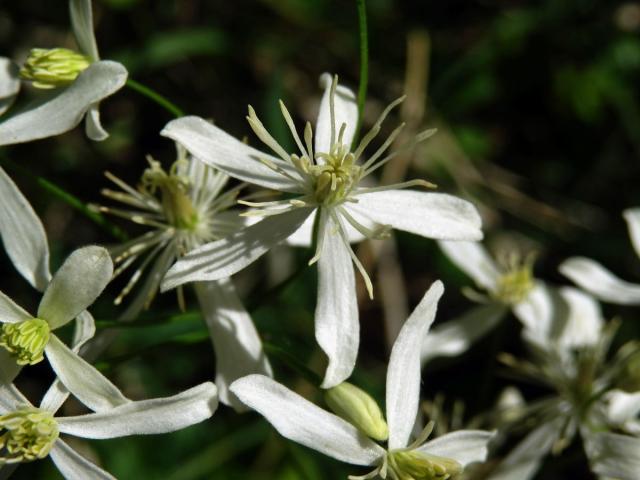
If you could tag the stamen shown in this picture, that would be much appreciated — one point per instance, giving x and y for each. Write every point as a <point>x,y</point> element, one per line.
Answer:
<point>294,132</point>
<point>376,127</point>
<point>27,434</point>
<point>25,340</point>
<point>384,146</point>
<point>263,134</point>
<point>332,108</point>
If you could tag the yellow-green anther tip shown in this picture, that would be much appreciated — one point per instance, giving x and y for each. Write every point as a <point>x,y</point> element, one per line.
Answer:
<point>53,68</point>
<point>358,408</point>
<point>26,435</point>
<point>26,340</point>
<point>516,282</point>
<point>415,465</point>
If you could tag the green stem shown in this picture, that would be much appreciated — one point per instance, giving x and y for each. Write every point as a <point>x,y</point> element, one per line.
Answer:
<point>156,97</point>
<point>364,62</point>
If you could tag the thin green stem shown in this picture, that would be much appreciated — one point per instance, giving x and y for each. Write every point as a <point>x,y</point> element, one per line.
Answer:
<point>364,62</point>
<point>156,97</point>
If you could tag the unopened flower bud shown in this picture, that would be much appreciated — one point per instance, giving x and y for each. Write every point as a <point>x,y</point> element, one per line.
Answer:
<point>53,68</point>
<point>358,408</point>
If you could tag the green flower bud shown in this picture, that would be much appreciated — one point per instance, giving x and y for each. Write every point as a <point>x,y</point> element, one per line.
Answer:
<point>53,68</point>
<point>358,408</point>
<point>25,340</point>
<point>26,435</point>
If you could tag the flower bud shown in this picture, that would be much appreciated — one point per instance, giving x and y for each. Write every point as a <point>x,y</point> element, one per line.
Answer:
<point>53,68</point>
<point>358,408</point>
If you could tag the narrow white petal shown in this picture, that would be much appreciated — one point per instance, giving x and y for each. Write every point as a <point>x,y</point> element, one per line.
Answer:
<point>614,456</point>
<point>82,24</point>
<point>74,466</point>
<point>432,215</point>
<point>584,321</point>
<point>600,282</point>
<point>9,83</point>
<point>302,236</point>
<point>11,398</point>
<point>464,446</point>
<point>456,336</point>
<point>11,312</point>
<point>622,406</point>
<point>217,148</point>
<point>236,342</point>
<point>303,422</point>
<point>336,317</point>
<point>525,459</point>
<point>76,285</point>
<point>63,112</point>
<point>346,111</point>
<point>632,217</point>
<point>224,257</point>
<point>158,415</point>
<point>403,373</point>
<point>474,260</point>
<point>92,125</point>
<point>82,379</point>
<point>23,235</point>
<point>539,313</point>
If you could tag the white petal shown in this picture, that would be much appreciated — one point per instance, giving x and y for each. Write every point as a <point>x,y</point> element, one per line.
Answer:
<point>584,321</point>
<point>614,456</point>
<point>463,446</point>
<point>303,422</point>
<point>622,406</point>
<point>9,83</point>
<point>76,285</point>
<point>82,24</point>
<point>158,415</point>
<point>63,112</point>
<point>92,125</point>
<point>224,257</point>
<point>474,260</point>
<point>74,466</point>
<point>600,282</point>
<point>456,336</point>
<point>11,398</point>
<point>82,379</point>
<point>23,235</point>
<point>525,459</point>
<point>432,215</point>
<point>538,313</point>
<point>11,312</point>
<point>302,236</point>
<point>345,110</point>
<point>236,342</point>
<point>336,317</point>
<point>217,148</point>
<point>632,217</point>
<point>403,373</point>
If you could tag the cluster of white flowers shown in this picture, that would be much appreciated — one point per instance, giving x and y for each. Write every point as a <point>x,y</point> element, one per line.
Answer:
<point>201,228</point>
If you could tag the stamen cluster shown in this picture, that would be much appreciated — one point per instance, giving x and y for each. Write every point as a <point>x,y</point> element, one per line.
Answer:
<point>28,434</point>
<point>26,340</point>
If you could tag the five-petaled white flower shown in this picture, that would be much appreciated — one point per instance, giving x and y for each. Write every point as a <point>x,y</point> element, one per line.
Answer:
<point>301,421</point>
<point>600,282</point>
<point>328,199</point>
<point>185,208</point>
<point>29,433</point>
<point>83,78</point>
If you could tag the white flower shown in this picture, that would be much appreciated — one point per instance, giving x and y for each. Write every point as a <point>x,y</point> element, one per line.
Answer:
<point>301,421</point>
<point>509,284</point>
<point>85,80</point>
<point>600,282</point>
<point>29,433</point>
<point>183,209</point>
<point>328,199</point>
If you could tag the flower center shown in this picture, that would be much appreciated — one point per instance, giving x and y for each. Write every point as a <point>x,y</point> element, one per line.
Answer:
<point>415,465</point>
<point>27,435</point>
<point>517,280</point>
<point>25,340</point>
<point>335,176</point>
<point>174,190</point>
<point>53,68</point>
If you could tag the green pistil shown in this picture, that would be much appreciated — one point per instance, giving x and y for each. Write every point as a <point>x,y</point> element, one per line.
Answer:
<point>26,435</point>
<point>53,68</point>
<point>25,340</point>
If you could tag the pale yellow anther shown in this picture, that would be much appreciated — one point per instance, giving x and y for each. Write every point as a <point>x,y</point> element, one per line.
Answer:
<point>416,465</point>
<point>53,68</point>
<point>26,435</point>
<point>517,280</point>
<point>26,340</point>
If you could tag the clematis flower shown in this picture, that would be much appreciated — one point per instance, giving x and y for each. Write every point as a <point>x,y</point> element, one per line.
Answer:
<point>184,208</point>
<point>303,422</point>
<point>81,78</point>
<point>324,181</point>
<point>26,245</point>
<point>509,285</point>
<point>29,433</point>
<point>573,364</point>
<point>600,282</point>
